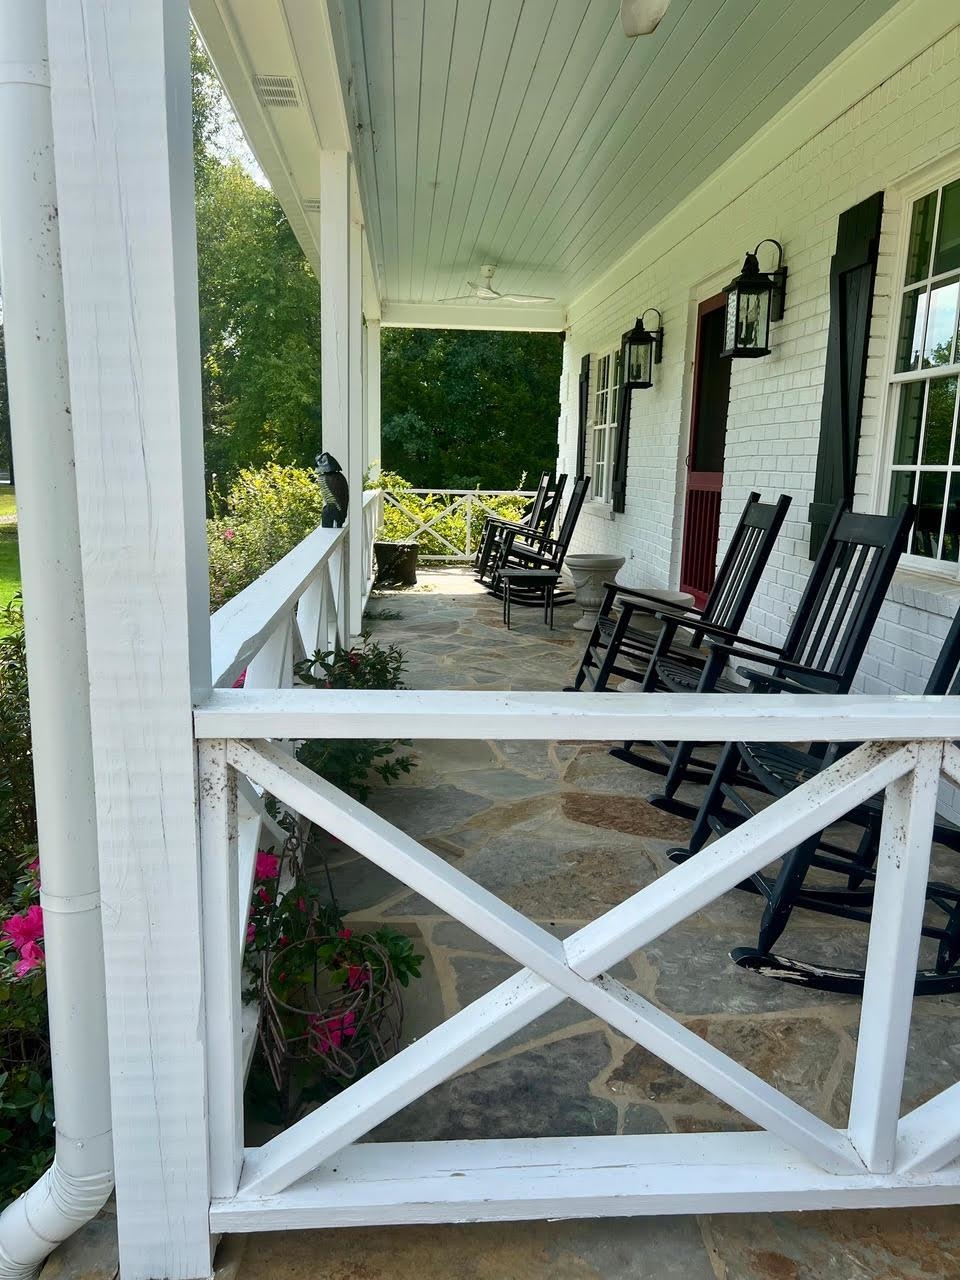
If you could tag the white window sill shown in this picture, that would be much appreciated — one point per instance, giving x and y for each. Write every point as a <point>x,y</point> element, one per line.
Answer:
<point>596,507</point>
<point>931,592</point>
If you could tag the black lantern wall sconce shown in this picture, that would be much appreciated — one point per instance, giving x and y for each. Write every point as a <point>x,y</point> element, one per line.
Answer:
<point>642,349</point>
<point>754,299</point>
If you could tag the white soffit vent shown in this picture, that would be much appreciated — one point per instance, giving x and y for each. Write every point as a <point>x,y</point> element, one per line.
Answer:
<point>312,206</point>
<point>277,91</point>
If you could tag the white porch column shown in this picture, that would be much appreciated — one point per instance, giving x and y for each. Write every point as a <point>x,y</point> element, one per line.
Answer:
<point>122,137</point>
<point>372,398</point>
<point>356,568</point>
<point>335,261</point>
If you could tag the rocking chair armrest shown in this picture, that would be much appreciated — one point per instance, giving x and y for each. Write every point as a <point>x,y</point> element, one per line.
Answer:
<point>637,597</point>
<point>710,630</point>
<point>766,681</point>
<point>525,553</point>
<point>773,660</point>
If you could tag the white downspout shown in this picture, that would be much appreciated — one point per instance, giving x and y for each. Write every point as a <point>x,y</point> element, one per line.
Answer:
<point>81,1177</point>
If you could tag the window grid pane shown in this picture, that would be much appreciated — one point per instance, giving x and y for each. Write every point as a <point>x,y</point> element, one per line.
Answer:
<point>926,465</point>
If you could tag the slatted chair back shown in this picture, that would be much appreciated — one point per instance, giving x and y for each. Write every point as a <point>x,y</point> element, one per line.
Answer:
<point>551,506</point>
<point>571,516</point>
<point>744,562</point>
<point>535,511</point>
<point>844,594</point>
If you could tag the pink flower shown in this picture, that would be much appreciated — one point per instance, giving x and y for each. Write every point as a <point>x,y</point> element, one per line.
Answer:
<point>31,955</point>
<point>301,904</point>
<point>238,683</point>
<point>345,934</point>
<point>24,929</point>
<point>263,895</point>
<point>251,931</point>
<point>268,867</point>
<point>228,535</point>
<point>34,865</point>
<point>357,975</point>
<point>330,1033</point>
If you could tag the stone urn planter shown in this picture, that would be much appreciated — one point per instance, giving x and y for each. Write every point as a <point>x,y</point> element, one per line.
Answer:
<point>589,573</point>
<point>396,563</point>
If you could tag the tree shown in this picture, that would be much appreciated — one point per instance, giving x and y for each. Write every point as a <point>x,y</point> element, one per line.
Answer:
<point>469,407</point>
<point>259,306</point>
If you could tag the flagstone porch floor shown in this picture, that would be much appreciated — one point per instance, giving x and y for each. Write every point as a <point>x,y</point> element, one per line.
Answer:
<point>561,831</point>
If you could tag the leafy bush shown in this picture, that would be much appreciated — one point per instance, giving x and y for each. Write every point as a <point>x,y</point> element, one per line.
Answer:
<point>26,1091</point>
<point>18,813</point>
<point>348,763</point>
<point>264,515</point>
<point>450,527</point>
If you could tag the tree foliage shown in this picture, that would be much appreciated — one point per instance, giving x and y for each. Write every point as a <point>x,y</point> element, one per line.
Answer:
<point>463,408</point>
<point>259,307</point>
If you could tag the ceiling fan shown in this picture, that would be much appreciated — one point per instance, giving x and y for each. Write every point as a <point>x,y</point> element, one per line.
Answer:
<point>484,291</point>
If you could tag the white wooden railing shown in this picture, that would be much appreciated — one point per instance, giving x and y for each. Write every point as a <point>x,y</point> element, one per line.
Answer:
<point>317,1174</point>
<point>473,504</point>
<point>297,607</point>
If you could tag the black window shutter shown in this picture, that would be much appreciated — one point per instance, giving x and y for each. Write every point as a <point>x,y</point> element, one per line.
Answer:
<point>853,270</point>
<point>623,442</point>
<point>583,408</point>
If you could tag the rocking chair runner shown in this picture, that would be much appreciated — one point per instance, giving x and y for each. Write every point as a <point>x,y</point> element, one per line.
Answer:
<point>822,648</point>
<point>538,520</point>
<point>777,769</point>
<point>539,552</point>
<point>617,647</point>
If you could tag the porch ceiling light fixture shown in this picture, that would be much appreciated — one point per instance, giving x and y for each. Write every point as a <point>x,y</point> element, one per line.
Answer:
<point>641,17</point>
<point>754,298</point>
<point>642,349</point>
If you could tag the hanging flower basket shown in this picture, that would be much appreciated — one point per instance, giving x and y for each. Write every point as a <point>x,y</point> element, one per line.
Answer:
<point>331,1012</point>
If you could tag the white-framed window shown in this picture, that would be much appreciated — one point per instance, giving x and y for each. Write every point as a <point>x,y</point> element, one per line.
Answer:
<point>606,404</point>
<point>925,460</point>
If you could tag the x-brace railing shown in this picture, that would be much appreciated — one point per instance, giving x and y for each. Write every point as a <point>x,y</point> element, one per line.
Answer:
<point>577,968</point>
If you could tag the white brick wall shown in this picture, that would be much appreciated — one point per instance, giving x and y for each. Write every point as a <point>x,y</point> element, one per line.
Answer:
<point>903,126</point>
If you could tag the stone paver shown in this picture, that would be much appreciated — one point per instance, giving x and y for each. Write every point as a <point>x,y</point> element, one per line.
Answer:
<point>563,832</point>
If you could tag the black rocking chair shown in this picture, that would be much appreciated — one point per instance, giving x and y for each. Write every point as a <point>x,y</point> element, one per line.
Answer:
<point>618,648</point>
<point>539,521</point>
<point>777,769</point>
<point>820,654</point>
<point>533,551</point>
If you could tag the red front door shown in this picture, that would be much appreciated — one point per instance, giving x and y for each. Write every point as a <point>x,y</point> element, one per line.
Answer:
<point>708,431</point>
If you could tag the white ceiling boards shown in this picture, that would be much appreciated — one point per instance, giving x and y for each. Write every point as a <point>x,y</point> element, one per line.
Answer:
<point>528,134</point>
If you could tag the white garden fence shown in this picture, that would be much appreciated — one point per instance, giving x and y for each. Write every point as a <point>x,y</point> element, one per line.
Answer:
<point>313,1174</point>
<point>472,505</point>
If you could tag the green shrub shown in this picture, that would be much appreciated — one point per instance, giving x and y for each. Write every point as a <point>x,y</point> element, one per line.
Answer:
<point>448,535</point>
<point>18,813</point>
<point>348,762</point>
<point>264,515</point>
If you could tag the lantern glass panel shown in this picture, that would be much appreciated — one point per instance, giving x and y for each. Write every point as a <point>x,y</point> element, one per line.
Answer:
<point>640,363</point>
<point>753,321</point>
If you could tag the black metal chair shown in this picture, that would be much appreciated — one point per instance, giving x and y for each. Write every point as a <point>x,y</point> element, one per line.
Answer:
<point>539,520</point>
<point>533,551</point>
<point>616,647</point>
<point>820,654</point>
<point>777,769</point>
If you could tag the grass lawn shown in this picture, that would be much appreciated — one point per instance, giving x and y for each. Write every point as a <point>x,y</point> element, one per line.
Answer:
<point>8,501</point>
<point>9,569</point>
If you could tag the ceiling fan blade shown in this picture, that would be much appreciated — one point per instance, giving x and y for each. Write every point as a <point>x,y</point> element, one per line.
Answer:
<point>531,298</point>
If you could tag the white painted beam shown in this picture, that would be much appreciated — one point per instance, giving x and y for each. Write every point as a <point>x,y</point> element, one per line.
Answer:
<point>378,1184</point>
<point>601,717</point>
<point>124,156</point>
<point>372,400</point>
<point>473,315</point>
<point>356,428</point>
